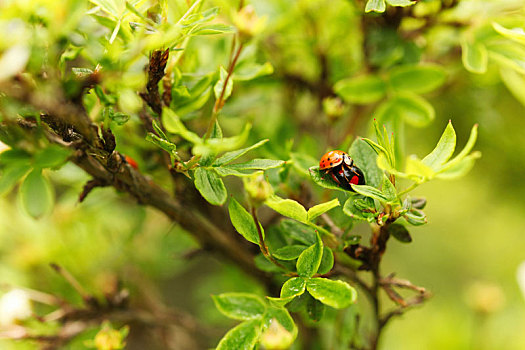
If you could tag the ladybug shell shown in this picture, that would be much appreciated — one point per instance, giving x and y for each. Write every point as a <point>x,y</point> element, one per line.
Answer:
<point>331,159</point>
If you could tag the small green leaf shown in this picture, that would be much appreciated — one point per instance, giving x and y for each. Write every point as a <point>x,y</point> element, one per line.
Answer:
<point>231,156</point>
<point>372,192</point>
<point>417,170</point>
<point>327,261</point>
<point>400,233</point>
<point>256,164</point>
<point>213,29</point>
<point>460,168</point>
<point>51,157</point>
<point>220,85</point>
<point>376,6</point>
<point>298,231</point>
<point>388,189</point>
<point>314,309</point>
<point>224,144</point>
<point>210,186</point>
<point>465,151</point>
<point>280,329</point>
<point>417,78</point>
<point>322,208</point>
<point>337,294</point>
<point>223,171</point>
<point>294,287</point>
<point>174,125</point>
<point>11,175</point>
<point>414,109</point>
<point>516,34</point>
<point>119,118</point>
<point>364,157</point>
<point>443,150</point>
<point>400,3</point>
<point>37,194</point>
<point>515,82</point>
<point>243,221</point>
<point>474,57</point>
<point>289,252</point>
<point>509,55</point>
<point>240,306</point>
<point>252,71</point>
<point>352,211</point>
<point>363,90</point>
<point>416,217</point>
<point>243,337</point>
<point>287,207</point>
<point>310,259</point>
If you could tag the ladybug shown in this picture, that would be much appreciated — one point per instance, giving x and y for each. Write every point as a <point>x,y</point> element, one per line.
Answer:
<point>342,169</point>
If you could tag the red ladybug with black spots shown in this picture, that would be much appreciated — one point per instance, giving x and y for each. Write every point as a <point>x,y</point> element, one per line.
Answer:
<point>342,169</point>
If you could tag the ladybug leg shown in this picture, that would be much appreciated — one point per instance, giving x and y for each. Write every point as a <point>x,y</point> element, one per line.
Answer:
<point>335,178</point>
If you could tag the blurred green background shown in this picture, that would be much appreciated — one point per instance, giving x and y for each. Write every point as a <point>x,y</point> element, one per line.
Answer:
<point>467,255</point>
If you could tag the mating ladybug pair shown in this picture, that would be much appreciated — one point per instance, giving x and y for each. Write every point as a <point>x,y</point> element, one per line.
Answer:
<point>341,168</point>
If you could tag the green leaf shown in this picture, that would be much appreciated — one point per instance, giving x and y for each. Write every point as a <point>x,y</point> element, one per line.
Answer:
<point>252,71</point>
<point>51,157</point>
<point>465,151</point>
<point>283,318</point>
<point>310,259</point>
<point>220,85</point>
<point>365,159</point>
<point>414,109</point>
<point>243,337</point>
<point>37,194</point>
<point>224,144</point>
<point>112,7</point>
<point>417,170</point>
<point>388,189</point>
<point>288,208</point>
<point>417,78</point>
<point>322,208</point>
<point>509,55</point>
<point>327,261</point>
<point>11,175</point>
<point>294,287</point>
<point>354,212</point>
<point>173,124</point>
<point>231,156</point>
<point>243,222</point>
<point>212,29</point>
<point>159,142</point>
<point>401,3</point>
<point>376,6</point>
<point>516,34</point>
<point>299,232</point>
<point>210,186</point>
<point>314,309</point>
<point>474,57</point>
<point>289,252</point>
<point>515,82</point>
<point>224,171</point>
<point>337,294</point>
<point>416,217</point>
<point>240,306</point>
<point>372,192</point>
<point>400,233</point>
<point>460,168</point>
<point>363,90</point>
<point>443,150</point>
<point>256,164</point>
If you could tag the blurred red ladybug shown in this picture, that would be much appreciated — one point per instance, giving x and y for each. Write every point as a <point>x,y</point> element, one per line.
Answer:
<point>341,168</point>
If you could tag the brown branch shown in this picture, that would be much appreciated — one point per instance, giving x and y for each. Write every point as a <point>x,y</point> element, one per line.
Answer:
<point>157,64</point>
